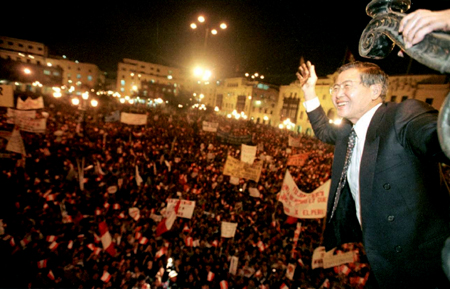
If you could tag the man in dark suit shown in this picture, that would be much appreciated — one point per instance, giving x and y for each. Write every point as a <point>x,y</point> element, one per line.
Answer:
<point>389,191</point>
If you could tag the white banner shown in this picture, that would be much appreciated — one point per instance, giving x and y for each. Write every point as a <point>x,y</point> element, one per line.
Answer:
<point>248,154</point>
<point>6,95</point>
<point>233,265</point>
<point>15,143</point>
<point>294,142</point>
<point>328,259</point>
<point>210,126</point>
<point>29,103</point>
<point>290,270</point>
<point>228,229</point>
<point>254,192</point>
<point>14,116</point>
<point>236,168</point>
<point>317,257</point>
<point>301,205</point>
<point>133,118</point>
<point>186,209</point>
<point>37,125</point>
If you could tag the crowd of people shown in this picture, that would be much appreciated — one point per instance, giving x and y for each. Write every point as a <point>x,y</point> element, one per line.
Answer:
<point>49,233</point>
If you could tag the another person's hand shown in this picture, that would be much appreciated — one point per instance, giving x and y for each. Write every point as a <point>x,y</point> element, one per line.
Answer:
<point>307,76</point>
<point>419,23</point>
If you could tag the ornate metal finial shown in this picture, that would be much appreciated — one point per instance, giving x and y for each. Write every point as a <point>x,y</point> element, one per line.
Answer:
<point>381,35</point>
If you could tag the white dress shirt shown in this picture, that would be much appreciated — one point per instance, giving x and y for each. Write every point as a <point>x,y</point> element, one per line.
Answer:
<point>361,127</point>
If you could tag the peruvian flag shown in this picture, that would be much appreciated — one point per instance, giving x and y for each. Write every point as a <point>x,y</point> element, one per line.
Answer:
<point>91,246</point>
<point>284,286</point>
<point>138,235</point>
<point>105,237</point>
<point>223,284</point>
<point>53,246</point>
<point>42,264</point>
<point>105,277</point>
<point>116,206</point>
<point>189,242</point>
<point>51,238</point>
<point>210,276</point>
<point>326,284</point>
<point>161,252</point>
<point>261,246</point>
<point>143,241</point>
<point>342,269</point>
<point>215,243</point>
<point>70,245</point>
<point>167,222</point>
<point>186,228</point>
<point>50,275</point>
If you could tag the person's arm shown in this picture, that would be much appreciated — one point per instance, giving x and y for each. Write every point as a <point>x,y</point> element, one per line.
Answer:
<point>307,76</point>
<point>419,23</point>
<point>319,120</point>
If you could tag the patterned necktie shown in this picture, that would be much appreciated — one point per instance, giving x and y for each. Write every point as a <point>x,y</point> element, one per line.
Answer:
<point>343,179</point>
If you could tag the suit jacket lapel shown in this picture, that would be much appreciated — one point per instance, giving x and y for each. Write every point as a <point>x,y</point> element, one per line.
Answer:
<point>369,156</point>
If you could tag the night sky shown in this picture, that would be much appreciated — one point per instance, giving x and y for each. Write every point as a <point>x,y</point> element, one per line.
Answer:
<point>268,37</point>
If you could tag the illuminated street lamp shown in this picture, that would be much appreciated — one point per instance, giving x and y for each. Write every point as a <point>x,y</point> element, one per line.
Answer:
<point>83,105</point>
<point>254,76</point>
<point>201,19</point>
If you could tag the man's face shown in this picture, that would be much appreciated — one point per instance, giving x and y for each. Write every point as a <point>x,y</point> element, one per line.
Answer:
<point>352,99</point>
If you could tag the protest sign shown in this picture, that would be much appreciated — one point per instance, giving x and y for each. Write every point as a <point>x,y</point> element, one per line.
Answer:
<point>297,160</point>
<point>210,126</point>
<point>185,210</point>
<point>248,153</point>
<point>6,95</point>
<point>228,229</point>
<point>236,168</point>
<point>29,103</point>
<point>15,143</point>
<point>324,259</point>
<point>133,118</point>
<point>228,138</point>
<point>294,142</point>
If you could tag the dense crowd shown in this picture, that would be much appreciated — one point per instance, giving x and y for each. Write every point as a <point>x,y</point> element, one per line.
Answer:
<point>50,236</point>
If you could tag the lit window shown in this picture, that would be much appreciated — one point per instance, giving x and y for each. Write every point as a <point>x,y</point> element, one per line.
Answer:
<point>122,82</point>
<point>89,77</point>
<point>47,72</point>
<point>78,76</point>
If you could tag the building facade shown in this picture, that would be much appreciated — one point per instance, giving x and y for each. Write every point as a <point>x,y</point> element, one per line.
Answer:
<point>131,74</point>
<point>25,65</point>
<point>252,100</point>
<point>79,77</point>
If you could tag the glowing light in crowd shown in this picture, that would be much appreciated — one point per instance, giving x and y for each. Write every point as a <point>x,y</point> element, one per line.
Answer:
<point>75,101</point>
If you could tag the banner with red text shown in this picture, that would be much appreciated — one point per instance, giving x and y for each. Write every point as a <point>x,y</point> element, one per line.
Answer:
<point>236,168</point>
<point>302,205</point>
<point>297,160</point>
<point>186,209</point>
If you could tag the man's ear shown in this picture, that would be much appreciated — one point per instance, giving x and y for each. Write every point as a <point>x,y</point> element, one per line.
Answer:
<point>375,90</point>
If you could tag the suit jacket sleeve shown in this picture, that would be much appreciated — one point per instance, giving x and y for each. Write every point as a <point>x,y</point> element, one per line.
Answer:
<point>416,128</point>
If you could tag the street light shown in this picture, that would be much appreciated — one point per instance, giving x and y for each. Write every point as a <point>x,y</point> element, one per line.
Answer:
<point>201,19</point>
<point>83,105</point>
